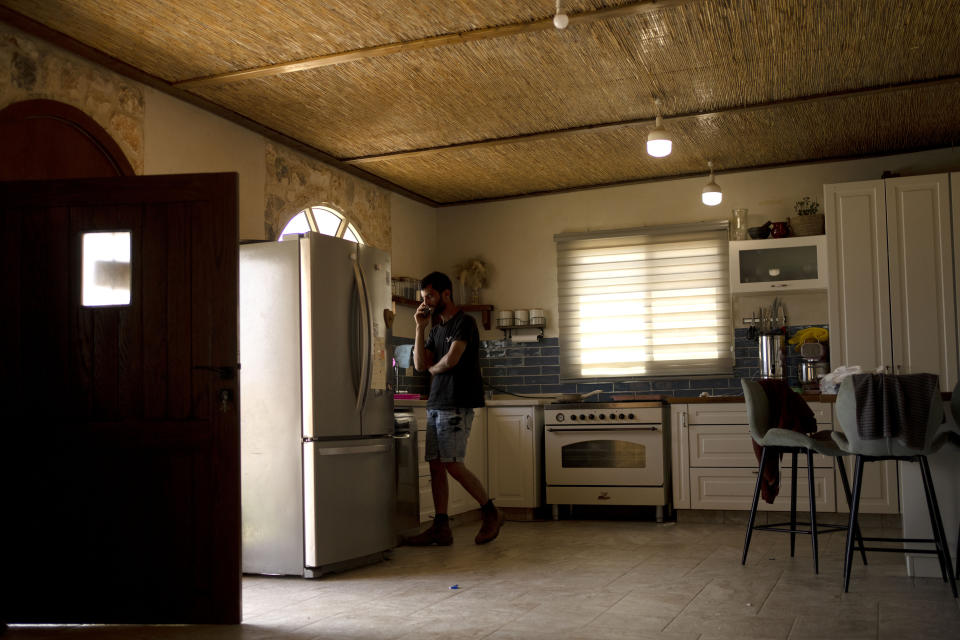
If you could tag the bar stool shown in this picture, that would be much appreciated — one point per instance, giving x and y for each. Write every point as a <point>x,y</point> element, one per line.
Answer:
<point>892,447</point>
<point>775,442</point>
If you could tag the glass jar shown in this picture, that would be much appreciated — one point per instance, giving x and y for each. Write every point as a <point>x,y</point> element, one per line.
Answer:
<point>738,225</point>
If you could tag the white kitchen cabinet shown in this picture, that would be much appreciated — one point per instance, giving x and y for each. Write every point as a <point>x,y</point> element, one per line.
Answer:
<point>779,264</point>
<point>459,501</point>
<point>714,466</point>
<point>893,287</point>
<point>515,455</point>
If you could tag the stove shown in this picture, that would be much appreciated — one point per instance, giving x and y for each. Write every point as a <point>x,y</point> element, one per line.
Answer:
<point>607,453</point>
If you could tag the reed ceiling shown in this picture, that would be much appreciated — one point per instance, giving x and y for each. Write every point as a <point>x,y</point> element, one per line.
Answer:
<point>485,99</point>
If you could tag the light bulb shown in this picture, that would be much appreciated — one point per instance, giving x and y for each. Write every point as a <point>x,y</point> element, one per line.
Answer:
<point>560,21</point>
<point>659,144</point>
<point>712,195</point>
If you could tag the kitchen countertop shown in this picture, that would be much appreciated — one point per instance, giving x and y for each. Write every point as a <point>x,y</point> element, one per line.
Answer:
<point>809,397</point>
<point>504,400</point>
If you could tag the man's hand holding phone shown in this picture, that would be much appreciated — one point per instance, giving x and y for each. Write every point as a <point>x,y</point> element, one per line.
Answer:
<point>422,315</point>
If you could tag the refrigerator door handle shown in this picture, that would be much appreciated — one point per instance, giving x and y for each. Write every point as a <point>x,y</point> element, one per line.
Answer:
<point>344,451</point>
<point>365,333</point>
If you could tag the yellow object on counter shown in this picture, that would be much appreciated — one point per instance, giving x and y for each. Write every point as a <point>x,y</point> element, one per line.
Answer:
<point>810,333</point>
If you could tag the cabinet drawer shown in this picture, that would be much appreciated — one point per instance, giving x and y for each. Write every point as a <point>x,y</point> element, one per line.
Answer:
<point>880,488</point>
<point>718,413</point>
<point>713,488</point>
<point>732,446</point>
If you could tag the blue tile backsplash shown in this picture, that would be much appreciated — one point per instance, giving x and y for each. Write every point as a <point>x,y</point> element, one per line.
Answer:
<point>534,368</point>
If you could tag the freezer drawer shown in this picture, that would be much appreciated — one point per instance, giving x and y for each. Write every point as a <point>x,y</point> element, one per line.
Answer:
<point>349,499</point>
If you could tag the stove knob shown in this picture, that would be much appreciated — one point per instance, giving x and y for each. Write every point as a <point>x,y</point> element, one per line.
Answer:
<point>602,416</point>
<point>583,417</point>
<point>592,417</point>
<point>573,416</point>
<point>630,416</point>
<point>559,417</point>
<point>621,416</point>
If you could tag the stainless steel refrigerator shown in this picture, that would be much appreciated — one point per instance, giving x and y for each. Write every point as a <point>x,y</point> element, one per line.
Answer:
<point>316,416</point>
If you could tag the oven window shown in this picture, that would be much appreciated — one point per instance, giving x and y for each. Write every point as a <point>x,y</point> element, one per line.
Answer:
<point>604,454</point>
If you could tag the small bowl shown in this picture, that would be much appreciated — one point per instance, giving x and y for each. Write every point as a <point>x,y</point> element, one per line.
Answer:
<point>759,233</point>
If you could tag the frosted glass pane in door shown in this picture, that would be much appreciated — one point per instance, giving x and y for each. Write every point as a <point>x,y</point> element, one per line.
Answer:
<point>106,269</point>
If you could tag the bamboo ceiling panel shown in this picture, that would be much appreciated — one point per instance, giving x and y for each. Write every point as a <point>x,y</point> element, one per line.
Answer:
<point>477,91</point>
<point>839,128</point>
<point>579,100</point>
<point>182,39</point>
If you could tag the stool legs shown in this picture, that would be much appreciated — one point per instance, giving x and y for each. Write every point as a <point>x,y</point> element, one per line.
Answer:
<point>852,525</point>
<point>936,522</point>
<point>846,493</point>
<point>753,506</point>
<point>813,510</point>
<point>793,504</point>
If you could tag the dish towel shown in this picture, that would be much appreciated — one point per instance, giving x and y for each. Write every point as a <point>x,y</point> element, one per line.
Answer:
<point>787,411</point>
<point>890,406</point>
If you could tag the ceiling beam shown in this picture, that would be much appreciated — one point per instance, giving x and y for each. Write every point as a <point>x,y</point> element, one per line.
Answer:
<point>643,122</point>
<point>432,42</point>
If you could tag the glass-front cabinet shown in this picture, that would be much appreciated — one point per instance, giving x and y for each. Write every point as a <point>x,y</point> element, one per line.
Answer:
<point>778,264</point>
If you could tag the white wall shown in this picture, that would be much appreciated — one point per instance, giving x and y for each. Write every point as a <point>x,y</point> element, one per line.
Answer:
<point>181,138</point>
<point>414,250</point>
<point>515,237</point>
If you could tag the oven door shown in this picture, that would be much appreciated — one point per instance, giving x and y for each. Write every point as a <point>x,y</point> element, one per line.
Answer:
<point>605,456</point>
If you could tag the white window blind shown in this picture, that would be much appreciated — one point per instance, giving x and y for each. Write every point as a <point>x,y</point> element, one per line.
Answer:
<point>644,302</point>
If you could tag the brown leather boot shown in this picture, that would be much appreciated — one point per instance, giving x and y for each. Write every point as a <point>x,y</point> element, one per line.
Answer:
<point>435,534</point>
<point>490,526</point>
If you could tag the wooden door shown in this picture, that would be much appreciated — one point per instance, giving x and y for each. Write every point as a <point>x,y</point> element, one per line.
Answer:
<point>119,458</point>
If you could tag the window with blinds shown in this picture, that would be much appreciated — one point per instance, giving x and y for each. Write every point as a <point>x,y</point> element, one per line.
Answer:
<point>644,302</point>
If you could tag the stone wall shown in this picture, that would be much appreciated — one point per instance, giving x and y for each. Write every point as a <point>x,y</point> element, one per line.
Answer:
<point>31,69</point>
<point>296,181</point>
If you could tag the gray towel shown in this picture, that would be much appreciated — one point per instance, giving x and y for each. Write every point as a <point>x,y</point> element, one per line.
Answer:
<point>402,354</point>
<point>895,406</point>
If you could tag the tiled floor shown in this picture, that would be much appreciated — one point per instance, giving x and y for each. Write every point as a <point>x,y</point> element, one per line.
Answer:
<point>586,580</point>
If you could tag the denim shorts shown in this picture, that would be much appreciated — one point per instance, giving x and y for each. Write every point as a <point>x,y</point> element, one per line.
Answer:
<point>447,433</point>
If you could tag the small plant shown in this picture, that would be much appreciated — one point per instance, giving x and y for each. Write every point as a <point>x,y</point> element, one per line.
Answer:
<point>806,207</point>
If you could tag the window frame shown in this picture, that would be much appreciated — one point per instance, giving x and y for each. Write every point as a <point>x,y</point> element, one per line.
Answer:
<point>344,225</point>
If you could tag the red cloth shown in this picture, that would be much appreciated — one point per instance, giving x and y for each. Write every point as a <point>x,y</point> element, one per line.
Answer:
<point>787,411</point>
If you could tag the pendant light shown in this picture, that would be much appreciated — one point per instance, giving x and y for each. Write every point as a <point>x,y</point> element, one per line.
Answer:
<point>659,144</point>
<point>560,20</point>
<point>712,195</point>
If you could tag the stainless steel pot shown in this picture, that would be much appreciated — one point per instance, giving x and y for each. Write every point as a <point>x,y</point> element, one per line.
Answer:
<point>773,356</point>
<point>811,371</point>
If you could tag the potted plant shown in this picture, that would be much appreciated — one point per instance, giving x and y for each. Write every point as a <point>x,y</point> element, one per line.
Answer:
<point>808,221</point>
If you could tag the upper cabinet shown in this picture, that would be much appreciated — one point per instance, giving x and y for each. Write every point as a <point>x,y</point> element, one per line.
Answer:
<point>893,284</point>
<point>778,264</point>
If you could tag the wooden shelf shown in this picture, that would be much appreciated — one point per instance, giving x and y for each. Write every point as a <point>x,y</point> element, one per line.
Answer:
<point>483,309</point>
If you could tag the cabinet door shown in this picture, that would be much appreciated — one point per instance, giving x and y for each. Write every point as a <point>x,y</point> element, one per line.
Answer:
<point>859,294</point>
<point>511,461</point>
<point>783,264</point>
<point>922,290</point>
<point>476,461</point>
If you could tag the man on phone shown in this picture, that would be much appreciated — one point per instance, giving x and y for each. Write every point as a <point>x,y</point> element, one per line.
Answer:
<point>451,353</point>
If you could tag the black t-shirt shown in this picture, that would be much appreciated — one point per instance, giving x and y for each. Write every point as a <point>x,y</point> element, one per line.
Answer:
<point>461,386</point>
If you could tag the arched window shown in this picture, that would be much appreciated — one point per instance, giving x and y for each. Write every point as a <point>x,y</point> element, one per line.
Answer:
<point>324,220</point>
